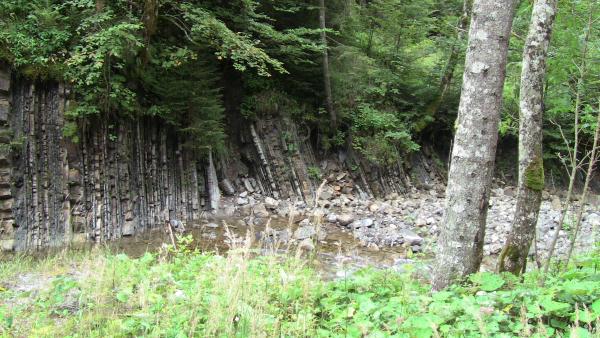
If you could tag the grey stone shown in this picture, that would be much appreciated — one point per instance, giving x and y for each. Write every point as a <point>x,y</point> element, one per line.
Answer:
<point>306,245</point>
<point>242,201</point>
<point>593,219</point>
<point>326,195</point>
<point>271,203</point>
<point>363,223</point>
<point>304,223</point>
<point>345,219</point>
<point>416,248</point>
<point>261,211</point>
<point>304,232</point>
<point>7,245</point>
<point>411,237</point>
<point>556,203</point>
<point>227,187</point>
<point>420,222</point>
<point>128,228</point>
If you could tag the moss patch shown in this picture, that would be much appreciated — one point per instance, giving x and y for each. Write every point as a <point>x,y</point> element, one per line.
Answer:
<point>534,175</point>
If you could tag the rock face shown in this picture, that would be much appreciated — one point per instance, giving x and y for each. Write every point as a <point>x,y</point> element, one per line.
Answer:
<point>125,176</point>
<point>119,179</point>
<point>122,176</point>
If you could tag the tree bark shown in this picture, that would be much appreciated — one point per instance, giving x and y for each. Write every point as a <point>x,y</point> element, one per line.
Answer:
<point>326,73</point>
<point>470,176</point>
<point>531,168</point>
<point>100,5</point>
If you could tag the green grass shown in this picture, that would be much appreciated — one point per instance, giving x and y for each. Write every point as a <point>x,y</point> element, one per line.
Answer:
<point>182,293</point>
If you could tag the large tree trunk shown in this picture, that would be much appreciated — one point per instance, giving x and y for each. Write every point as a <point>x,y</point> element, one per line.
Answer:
<point>470,176</point>
<point>531,165</point>
<point>326,73</point>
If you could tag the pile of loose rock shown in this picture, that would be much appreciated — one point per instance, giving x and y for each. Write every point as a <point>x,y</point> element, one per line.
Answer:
<point>412,220</point>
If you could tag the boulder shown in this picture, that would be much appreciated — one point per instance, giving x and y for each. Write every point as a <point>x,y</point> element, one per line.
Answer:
<point>227,187</point>
<point>420,222</point>
<point>556,203</point>
<point>7,245</point>
<point>304,223</point>
<point>326,195</point>
<point>305,232</point>
<point>593,219</point>
<point>306,245</point>
<point>411,237</point>
<point>363,223</point>
<point>271,203</point>
<point>345,219</point>
<point>128,228</point>
<point>261,211</point>
<point>374,207</point>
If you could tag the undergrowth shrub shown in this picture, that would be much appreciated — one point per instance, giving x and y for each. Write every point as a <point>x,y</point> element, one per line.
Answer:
<point>182,292</point>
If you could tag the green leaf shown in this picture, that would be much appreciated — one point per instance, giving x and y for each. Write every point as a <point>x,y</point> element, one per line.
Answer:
<point>488,281</point>
<point>123,296</point>
<point>596,306</point>
<point>551,306</point>
<point>579,332</point>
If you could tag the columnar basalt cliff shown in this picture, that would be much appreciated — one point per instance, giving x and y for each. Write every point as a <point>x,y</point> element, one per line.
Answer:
<point>121,177</point>
<point>124,176</point>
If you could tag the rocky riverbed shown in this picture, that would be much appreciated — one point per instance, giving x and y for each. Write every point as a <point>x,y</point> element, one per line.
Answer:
<point>411,221</point>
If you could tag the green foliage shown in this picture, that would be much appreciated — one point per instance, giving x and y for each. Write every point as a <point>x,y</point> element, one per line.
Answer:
<point>564,59</point>
<point>314,173</point>
<point>380,136</point>
<point>386,60</point>
<point>186,96</point>
<point>390,54</point>
<point>236,46</point>
<point>121,62</point>
<point>182,292</point>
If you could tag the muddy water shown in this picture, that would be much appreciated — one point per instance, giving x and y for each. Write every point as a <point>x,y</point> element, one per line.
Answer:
<point>334,256</point>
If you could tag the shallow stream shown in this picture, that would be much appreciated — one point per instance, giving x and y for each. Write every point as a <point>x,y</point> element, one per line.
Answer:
<point>335,255</point>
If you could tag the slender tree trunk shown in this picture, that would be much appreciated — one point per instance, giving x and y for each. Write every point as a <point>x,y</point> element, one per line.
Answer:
<point>531,165</point>
<point>150,20</point>
<point>574,153</point>
<point>326,73</point>
<point>470,176</point>
<point>453,59</point>
<point>100,5</point>
<point>586,187</point>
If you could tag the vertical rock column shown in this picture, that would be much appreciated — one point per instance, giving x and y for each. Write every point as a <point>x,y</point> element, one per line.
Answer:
<point>39,165</point>
<point>7,223</point>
